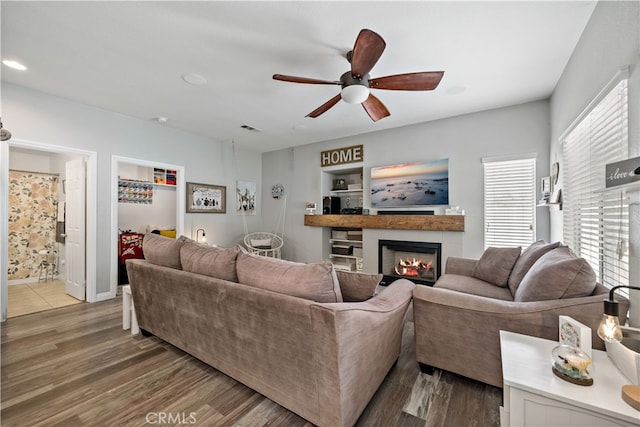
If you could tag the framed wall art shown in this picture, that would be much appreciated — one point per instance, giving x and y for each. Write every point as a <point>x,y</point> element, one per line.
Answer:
<point>245,198</point>
<point>206,198</point>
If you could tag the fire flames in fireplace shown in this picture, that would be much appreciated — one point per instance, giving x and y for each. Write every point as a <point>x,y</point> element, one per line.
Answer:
<point>413,268</point>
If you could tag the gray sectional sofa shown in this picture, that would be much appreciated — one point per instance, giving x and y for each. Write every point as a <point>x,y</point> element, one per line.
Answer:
<point>458,320</point>
<point>281,328</point>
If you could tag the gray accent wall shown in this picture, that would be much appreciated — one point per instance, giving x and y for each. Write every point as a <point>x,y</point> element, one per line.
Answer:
<point>464,140</point>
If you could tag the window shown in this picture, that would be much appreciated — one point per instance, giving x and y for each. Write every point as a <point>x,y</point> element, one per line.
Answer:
<point>596,220</point>
<point>509,201</point>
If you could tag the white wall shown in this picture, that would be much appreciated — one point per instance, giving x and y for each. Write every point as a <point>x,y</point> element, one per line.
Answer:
<point>35,116</point>
<point>464,140</point>
<point>610,41</point>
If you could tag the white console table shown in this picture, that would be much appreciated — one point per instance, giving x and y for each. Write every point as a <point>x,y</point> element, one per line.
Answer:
<point>534,396</point>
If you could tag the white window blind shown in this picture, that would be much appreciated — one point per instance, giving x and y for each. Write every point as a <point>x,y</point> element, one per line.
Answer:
<point>509,201</point>
<point>596,220</point>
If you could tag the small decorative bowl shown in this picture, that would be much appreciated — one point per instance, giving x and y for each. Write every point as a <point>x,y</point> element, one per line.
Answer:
<point>573,365</point>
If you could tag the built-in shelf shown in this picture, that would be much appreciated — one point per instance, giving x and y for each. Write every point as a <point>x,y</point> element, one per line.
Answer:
<point>391,222</point>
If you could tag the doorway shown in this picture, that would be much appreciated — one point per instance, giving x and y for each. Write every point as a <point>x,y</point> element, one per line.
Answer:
<point>48,262</point>
<point>120,164</point>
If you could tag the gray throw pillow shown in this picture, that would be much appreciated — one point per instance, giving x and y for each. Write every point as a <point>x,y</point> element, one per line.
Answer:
<point>557,274</point>
<point>162,250</point>
<point>356,287</point>
<point>495,264</point>
<point>526,260</point>
<point>317,281</point>
<point>209,261</point>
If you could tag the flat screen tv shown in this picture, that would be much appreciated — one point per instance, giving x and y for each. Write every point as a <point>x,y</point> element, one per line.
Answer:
<point>410,184</point>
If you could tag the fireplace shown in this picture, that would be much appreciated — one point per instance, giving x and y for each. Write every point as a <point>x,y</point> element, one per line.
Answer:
<point>415,261</point>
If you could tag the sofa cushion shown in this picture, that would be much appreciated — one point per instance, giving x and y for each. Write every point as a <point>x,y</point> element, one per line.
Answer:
<point>356,287</point>
<point>161,250</point>
<point>210,261</point>
<point>557,274</point>
<point>495,264</point>
<point>473,286</point>
<point>317,282</point>
<point>526,260</point>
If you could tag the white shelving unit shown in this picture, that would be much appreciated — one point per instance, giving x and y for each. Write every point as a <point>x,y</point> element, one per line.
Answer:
<point>349,198</point>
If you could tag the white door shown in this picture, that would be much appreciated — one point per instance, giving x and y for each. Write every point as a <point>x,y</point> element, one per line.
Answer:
<point>75,228</point>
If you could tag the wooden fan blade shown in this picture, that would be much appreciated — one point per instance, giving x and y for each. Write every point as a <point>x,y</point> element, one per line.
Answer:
<point>324,107</point>
<point>366,52</point>
<point>427,80</point>
<point>295,79</point>
<point>375,108</point>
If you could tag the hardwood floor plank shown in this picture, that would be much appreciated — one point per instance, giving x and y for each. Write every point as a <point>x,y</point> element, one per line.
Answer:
<point>75,366</point>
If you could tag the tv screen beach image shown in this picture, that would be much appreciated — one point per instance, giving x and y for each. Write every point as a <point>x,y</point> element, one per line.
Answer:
<point>410,184</point>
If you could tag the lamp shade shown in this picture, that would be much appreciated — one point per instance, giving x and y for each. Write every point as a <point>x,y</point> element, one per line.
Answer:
<point>355,94</point>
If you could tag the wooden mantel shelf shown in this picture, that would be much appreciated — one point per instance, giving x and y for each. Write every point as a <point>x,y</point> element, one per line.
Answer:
<point>392,222</point>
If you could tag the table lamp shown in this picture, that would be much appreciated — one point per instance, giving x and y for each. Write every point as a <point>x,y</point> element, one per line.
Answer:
<point>609,330</point>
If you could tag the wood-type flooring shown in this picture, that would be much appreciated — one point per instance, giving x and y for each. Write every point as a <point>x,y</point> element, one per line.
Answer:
<point>76,366</point>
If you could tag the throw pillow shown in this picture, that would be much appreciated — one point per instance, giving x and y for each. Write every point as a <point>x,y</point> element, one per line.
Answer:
<point>495,264</point>
<point>356,287</point>
<point>317,281</point>
<point>162,250</point>
<point>209,261</point>
<point>557,274</point>
<point>526,260</point>
<point>261,243</point>
<point>168,233</point>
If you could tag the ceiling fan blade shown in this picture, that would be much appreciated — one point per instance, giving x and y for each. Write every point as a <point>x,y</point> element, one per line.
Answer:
<point>324,107</point>
<point>427,80</point>
<point>295,79</point>
<point>375,108</point>
<point>366,52</point>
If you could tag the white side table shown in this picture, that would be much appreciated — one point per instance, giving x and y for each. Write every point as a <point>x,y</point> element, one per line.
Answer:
<point>533,395</point>
<point>129,320</point>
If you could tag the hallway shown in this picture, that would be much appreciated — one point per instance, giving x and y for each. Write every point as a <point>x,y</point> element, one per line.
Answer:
<point>37,296</point>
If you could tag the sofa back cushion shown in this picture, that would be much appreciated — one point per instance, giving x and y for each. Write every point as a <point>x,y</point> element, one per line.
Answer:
<point>557,274</point>
<point>495,264</point>
<point>317,282</point>
<point>161,250</point>
<point>356,287</point>
<point>210,261</point>
<point>526,260</point>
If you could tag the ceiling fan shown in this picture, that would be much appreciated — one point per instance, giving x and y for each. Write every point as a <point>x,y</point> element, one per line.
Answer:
<point>356,83</point>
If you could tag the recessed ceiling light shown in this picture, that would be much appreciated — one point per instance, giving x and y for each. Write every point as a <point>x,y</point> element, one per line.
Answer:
<point>14,64</point>
<point>194,79</point>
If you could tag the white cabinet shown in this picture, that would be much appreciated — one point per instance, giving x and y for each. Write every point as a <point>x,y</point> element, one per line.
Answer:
<point>346,249</point>
<point>534,396</point>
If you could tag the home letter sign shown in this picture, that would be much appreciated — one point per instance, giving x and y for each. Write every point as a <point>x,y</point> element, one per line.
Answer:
<point>341,156</point>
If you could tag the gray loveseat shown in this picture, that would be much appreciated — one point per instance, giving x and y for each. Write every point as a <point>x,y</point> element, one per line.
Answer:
<point>255,319</point>
<point>458,320</point>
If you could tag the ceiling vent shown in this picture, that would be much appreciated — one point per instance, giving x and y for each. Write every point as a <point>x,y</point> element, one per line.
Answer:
<point>250,128</point>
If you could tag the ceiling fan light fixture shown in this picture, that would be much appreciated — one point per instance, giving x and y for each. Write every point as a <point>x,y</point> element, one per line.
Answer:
<point>355,94</point>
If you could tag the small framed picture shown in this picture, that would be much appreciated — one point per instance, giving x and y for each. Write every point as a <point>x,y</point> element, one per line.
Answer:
<point>545,186</point>
<point>206,198</point>
<point>573,333</point>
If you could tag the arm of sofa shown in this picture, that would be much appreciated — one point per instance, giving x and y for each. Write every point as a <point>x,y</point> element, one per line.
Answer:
<point>356,345</point>
<point>460,332</point>
<point>460,266</point>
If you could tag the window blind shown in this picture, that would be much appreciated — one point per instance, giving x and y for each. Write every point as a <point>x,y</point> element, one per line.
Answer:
<point>596,219</point>
<point>509,201</point>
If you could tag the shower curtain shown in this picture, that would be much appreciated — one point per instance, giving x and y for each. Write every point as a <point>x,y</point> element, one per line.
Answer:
<point>33,199</point>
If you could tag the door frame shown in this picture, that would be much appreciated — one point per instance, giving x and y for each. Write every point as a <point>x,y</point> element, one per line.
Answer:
<point>180,206</point>
<point>91,213</point>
